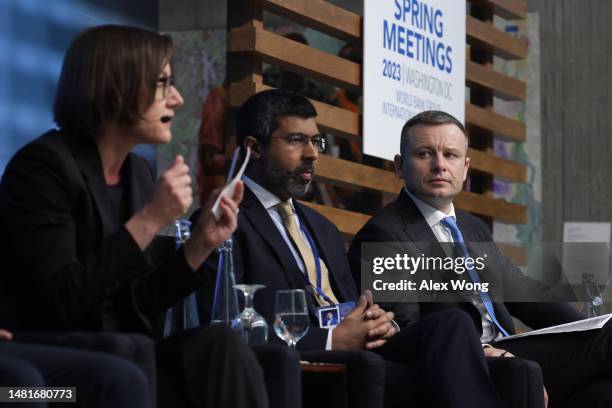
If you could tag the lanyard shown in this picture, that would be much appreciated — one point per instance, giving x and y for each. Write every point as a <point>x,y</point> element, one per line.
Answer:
<point>317,260</point>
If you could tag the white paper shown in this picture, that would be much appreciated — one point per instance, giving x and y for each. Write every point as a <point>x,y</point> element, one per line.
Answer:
<point>581,325</point>
<point>229,188</point>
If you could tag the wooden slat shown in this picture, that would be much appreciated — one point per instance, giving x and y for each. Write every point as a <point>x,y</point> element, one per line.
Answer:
<point>332,119</point>
<point>318,14</point>
<point>516,253</point>
<point>485,36</point>
<point>508,9</point>
<point>338,22</point>
<point>503,169</point>
<point>309,61</point>
<point>239,92</point>
<point>502,86</point>
<point>499,209</point>
<point>322,367</point>
<point>350,222</point>
<point>344,173</point>
<point>348,174</point>
<point>306,60</point>
<point>508,129</point>
<point>345,123</point>
<point>292,55</point>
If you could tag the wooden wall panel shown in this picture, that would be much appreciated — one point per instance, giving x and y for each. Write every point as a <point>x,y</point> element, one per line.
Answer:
<point>253,41</point>
<point>508,9</point>
<point>503,86</point>
<point>349,223</point>
<point>483,35</point>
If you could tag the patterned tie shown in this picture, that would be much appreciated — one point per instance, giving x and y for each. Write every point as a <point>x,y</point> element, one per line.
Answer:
<point>287,213</point>
<point>451,224</point>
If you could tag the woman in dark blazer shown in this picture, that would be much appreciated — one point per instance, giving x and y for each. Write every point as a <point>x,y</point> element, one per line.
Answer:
<point>79,215</point>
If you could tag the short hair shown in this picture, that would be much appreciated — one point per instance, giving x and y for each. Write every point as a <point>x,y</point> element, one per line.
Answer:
<point>109,75</point>
<point>431,118</point>
<point>258,116</point>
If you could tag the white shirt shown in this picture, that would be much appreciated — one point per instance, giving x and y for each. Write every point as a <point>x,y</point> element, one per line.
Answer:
<point>433,217</point>
<point>269,201</point>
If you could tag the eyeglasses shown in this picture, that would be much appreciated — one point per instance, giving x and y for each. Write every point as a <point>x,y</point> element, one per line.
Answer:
<point>299,140</point>
<point>163,86</point>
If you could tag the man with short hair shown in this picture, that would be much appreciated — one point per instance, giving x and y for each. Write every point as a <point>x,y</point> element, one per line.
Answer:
<point>283,244</point>
<point>433,164</point>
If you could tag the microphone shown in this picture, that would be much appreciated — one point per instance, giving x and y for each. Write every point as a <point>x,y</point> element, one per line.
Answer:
<point>166,119</point>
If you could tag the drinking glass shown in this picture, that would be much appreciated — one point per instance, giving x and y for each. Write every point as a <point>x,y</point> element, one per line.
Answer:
<point>291,316</point>
<point>254,326</point>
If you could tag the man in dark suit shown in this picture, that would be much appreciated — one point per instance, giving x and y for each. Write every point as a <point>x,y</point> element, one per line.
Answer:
<point>434,164</point>
<point>283,244</point>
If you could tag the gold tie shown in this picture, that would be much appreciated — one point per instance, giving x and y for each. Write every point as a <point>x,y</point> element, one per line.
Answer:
<point>286,212</point>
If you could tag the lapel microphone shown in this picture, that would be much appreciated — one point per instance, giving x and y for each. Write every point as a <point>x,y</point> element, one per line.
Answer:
<point>166,119</point>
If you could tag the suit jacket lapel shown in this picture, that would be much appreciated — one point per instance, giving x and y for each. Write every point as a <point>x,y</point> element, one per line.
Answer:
<point>414,225</point>
<point>324,250</point>
<point>88,159</point>
<point>86,155</point>
<point>139,179</point>
<point>263,224</point>
<point>420,233</point>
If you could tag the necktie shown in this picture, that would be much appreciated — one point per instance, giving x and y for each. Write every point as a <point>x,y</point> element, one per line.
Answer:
<point>305,251</point>
<point>451,224</point>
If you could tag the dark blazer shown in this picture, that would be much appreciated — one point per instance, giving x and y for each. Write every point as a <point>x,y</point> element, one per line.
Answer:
<point>262,256</point>
<point>64,265</point>
<point>402,222</point>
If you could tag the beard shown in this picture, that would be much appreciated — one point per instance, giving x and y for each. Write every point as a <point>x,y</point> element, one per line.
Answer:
<point>286,184</point>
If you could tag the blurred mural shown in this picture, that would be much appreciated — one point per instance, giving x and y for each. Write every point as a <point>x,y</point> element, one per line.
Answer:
<point>529,153</point>
<point>34,35</point>
<point>199,68</point>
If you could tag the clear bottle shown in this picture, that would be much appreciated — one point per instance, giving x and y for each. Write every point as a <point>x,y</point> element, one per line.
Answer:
<point>225,308</point>
<point>184,315</point>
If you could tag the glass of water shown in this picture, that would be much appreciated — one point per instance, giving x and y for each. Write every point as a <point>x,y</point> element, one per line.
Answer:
<point>254,326</point>
<point>291,316</point>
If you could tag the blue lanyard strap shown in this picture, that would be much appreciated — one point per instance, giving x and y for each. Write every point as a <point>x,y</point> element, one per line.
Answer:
<point>317,260</point>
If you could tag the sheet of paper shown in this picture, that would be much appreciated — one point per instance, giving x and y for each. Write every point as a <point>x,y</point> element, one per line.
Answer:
<point>230,187</point>
<point>581,325</point>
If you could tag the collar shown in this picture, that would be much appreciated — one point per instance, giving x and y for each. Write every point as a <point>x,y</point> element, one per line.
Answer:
<point>432,215</point>
<point>266,198</point>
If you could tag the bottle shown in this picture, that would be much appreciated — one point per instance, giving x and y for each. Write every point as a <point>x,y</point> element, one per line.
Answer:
<point>225,309</point>
<point>184,315</point>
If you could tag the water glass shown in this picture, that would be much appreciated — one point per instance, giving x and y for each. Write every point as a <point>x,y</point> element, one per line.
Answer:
<point>291,316</point>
